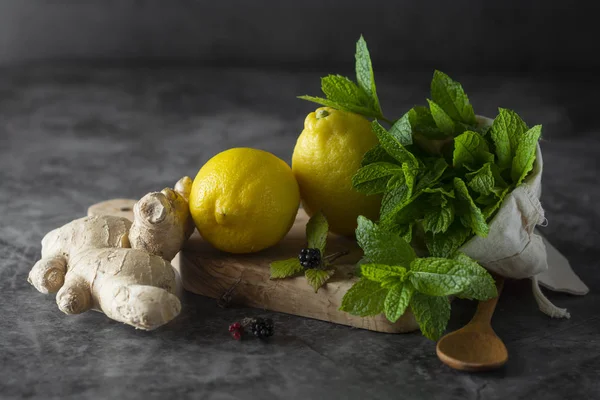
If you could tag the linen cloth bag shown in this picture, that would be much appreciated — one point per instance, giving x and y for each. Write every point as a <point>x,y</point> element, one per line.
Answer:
<point>514,249</point>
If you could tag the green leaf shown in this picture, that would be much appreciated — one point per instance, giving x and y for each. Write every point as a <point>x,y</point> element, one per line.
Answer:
<point>481,284</point>
<point>364,298</point>
<point>440,191</point>
<point>423,124</point>
<point>438,276</point>
<point>350,107</point>
<point>406,232</point>
<point>525,155</point>
<point>402,131</point>
<point>394,200</point>
<point>482,181</point>
<point>364,73</point>
<point>433,174</point>
<point>397,300</point>
<point>316,232</point>
<point>432,314</point>
<point>442,120</point>
<point>342,90</point>
<point>468,210</point>
<point>445,244</point>
<point>393,147</point>
<point>399,192</point>
<point>285,268</point>
<point>379,272</point>
<point>438,220</point>
<point>376,154</point>
<point>373,178</point>
<point>317,277</point>
<point>491,209</point>
<point>382,247</point>
<point>506,133</point>
<point>471,150</point>
<point>450,96</point>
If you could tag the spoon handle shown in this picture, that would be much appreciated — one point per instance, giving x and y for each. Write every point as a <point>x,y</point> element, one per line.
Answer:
<point>485,309</point>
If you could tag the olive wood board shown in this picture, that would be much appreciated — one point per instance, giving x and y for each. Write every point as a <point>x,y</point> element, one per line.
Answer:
<point>243,279</point>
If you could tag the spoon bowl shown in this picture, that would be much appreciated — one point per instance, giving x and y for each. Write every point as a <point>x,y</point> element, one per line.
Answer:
<point>475,347</point>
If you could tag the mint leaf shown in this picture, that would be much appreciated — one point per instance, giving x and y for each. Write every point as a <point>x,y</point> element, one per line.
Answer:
<point>376,154</point>
<point>397,300</point>
<point>481,284</point>
<point>393,146</point>
<point>422,123</point>
<point>438,276</point>
<point>373,178</point>
<point>432,314</point>
<point>409,213</point>
<point>342,90</point>
<point>364,73</point>
<point>438,220</point>
<point>482,181</point>
<point>317,277</point>
<point>525,155</point>
<point>450,96</point>
<point>406,232</point>
<point>471,150</point>
<point>402,131</point>
<point>491,209</point>
<point>506,132</point>
<point>382,247</point>
<point>469,212</point>
<point>350,107</point>
<point>285,268</point>
<point>433,174</point>
<point>394,200</point>
<point>379,272</point>
<point>442,120</point>
<point>445,244</point>
<point>399,192</point>
<point>316,232</point>
<point>440,191</point>
<point>364,298</point>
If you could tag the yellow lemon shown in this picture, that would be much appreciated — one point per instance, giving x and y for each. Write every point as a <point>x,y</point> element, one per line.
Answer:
<point>244,200</point>
<point>327,154</point>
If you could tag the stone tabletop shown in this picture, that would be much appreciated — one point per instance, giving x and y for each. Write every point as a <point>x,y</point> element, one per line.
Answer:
<point>74,136</point>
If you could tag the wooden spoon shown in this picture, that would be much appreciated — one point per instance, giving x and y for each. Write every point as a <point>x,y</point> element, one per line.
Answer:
<point>475,347</point>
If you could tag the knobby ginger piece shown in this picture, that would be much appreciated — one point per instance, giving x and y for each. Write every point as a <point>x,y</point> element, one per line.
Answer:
<point>120,268</point>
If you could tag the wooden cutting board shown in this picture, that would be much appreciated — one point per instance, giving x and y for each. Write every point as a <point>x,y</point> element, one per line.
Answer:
<point>243,279</point>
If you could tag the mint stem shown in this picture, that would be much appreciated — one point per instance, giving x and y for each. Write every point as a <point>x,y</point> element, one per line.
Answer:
<point>387,120</point>
<point>335,256</point>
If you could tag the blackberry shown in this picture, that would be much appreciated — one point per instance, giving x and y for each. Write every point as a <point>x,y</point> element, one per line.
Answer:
<point>310,258</point>
<point>262,328</point>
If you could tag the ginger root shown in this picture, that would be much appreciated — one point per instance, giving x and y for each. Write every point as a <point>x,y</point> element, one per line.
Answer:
<point>162,221</point>
<point>128,285</point>
<point>47,275</point>
<point>108,264</point>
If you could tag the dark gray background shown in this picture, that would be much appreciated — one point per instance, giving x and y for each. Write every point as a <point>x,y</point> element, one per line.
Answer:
<point>522,36</point>
<point>106,99</point>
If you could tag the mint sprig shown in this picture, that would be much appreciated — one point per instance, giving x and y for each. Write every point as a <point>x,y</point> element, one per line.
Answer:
<point>343,94</point>
<point>392,278</point>
<point>317,229</point>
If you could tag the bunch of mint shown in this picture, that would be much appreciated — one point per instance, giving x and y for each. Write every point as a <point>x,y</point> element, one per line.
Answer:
<point>393,278</point>
<point>442,173</point>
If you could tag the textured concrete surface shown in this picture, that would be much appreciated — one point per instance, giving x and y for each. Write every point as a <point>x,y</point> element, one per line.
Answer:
<point>71,137</point>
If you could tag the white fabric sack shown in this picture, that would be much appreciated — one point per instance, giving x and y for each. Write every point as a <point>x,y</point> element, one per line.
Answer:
<point>514,249</point>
